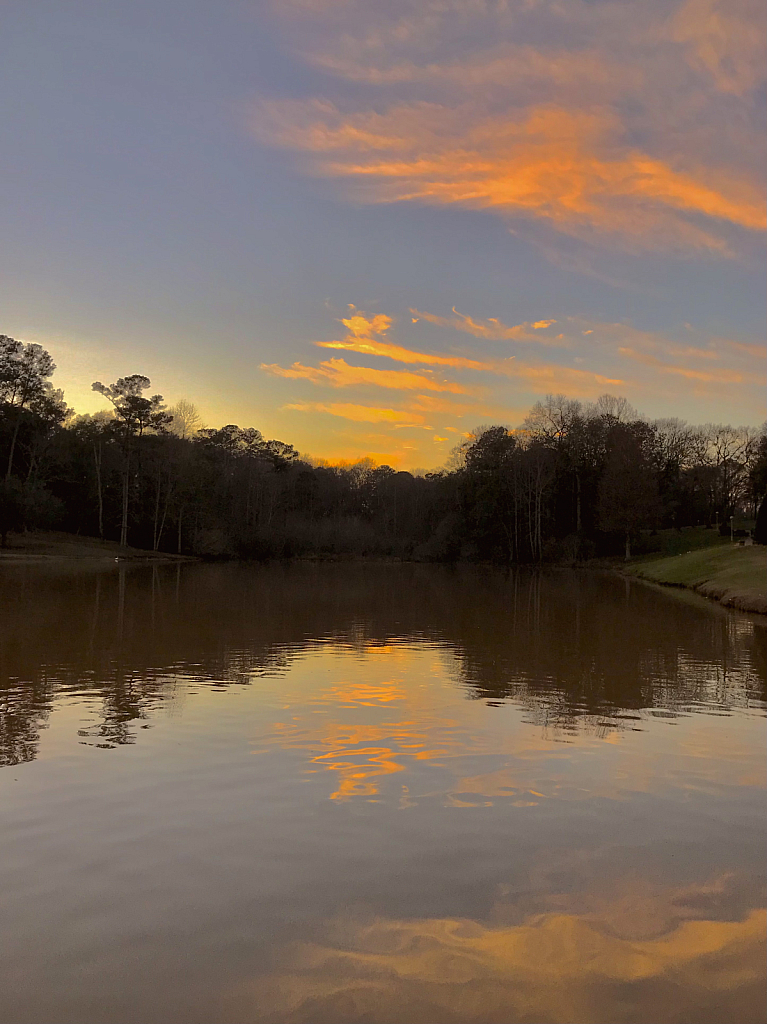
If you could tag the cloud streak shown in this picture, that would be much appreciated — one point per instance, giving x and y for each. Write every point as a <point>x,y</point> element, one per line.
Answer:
<point>586,358</point>
<point>719,376</point>
<point>361,413</point>
<point>491,329</point>
<point>373,347</point>
<point>619,126</point>
<point>338,373</point>
<point>571,169</point>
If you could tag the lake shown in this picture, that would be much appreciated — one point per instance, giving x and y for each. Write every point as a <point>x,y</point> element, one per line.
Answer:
<point>349,793</point>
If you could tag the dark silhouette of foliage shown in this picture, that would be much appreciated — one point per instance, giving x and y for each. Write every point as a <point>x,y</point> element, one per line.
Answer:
<point>628,490</point>
<point>134,415</point>
<point>760,530</point>
<point>24,386</point>
<point>573,481</point>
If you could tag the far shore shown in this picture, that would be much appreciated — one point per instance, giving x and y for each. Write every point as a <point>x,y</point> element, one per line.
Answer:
<point>732,575</point>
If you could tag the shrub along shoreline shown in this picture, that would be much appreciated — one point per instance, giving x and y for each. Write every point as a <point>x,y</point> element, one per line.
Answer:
<point>733,575</point>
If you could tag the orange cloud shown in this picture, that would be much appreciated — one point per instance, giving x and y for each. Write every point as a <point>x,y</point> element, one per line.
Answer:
<point>492,329</point>
<point>545,379</point>
<point>362,326</point>
<point>692,352</point>
<point>360,413</point>
<point>758,351</point>
<point>470,112</point>
<point>613,347</point>
<point>428,403</point>
<point>724,38</point>
<point>719,375</point>
<point>570,168</point>
<point>505,65</point>
<point>370,347</point>
<point>339,374</point>
<point>538,377</point>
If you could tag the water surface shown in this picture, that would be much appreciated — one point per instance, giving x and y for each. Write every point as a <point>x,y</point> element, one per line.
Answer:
<point>369,793</point>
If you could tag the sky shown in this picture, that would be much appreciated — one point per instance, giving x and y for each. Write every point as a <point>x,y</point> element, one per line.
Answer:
<point>366,227</point>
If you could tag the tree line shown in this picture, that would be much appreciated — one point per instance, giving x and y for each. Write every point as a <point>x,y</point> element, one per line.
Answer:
<point>573,481</point>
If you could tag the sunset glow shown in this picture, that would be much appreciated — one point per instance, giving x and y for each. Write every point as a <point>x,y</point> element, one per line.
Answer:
<point>486,201</point>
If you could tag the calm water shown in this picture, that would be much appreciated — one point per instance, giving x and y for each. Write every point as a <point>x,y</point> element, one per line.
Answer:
<point>380,794</point>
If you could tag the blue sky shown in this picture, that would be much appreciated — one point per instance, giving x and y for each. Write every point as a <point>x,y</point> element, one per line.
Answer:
<point>501,199</point>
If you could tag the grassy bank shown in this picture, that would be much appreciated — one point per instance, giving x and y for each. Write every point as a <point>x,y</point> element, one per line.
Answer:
<point>664,543</point>
<point>735,576</point>
<point>50,546</point>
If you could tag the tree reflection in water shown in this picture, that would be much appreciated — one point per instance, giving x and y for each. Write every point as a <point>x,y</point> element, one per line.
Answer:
<point>576,649</point>
<point>377,793</point>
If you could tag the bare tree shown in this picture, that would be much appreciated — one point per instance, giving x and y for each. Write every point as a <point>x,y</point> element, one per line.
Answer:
<point>186,419</point>
<point>617,409</point>
<point>729,451</point>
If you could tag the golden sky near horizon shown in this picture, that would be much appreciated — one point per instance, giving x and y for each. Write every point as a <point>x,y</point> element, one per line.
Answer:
<point>367,227</point>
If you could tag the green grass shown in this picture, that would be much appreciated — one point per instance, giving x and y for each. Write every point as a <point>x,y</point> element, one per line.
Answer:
<point>674,542</point>
<point>46,545</point>
<point>734,575</point>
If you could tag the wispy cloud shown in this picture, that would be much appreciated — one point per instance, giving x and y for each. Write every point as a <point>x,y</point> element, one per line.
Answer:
<point>339,374</point>
<point>724,39</point>
<point>446,406</point>
<point>361,413</point>
<point>492,329</point>
<point>571,169</point>
<point>582,358</point>
<point>550,378</point>
<point>720,375</point>
<point>373,347</point>
<point>756,351</point>
<point>618,125</point>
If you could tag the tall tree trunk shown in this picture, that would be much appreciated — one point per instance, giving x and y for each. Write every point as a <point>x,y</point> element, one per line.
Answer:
<point>126,492</point>
<point>578,523</point>
<point>97,460</point>
<point>538,513</point>
<point>164,514</point>
<point>155,526</point>
<point>628,546</point>
<point>13,444</point>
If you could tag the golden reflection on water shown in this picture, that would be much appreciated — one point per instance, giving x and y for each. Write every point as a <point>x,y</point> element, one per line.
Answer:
<point>364,753</point>
<point>606,949</point>
<point>553,967</point>
<point>371,726</point>
<point>378,795</point>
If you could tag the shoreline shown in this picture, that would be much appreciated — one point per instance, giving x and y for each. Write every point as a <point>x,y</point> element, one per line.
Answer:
<point>733,576</point>
<point>66,548</point>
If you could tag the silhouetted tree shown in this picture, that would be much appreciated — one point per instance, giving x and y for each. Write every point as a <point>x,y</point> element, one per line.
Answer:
<point>561,486</point>
<point>134,414</point>
<point>758,482</point>
<point>628,492</point>
<point>24,373</point>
